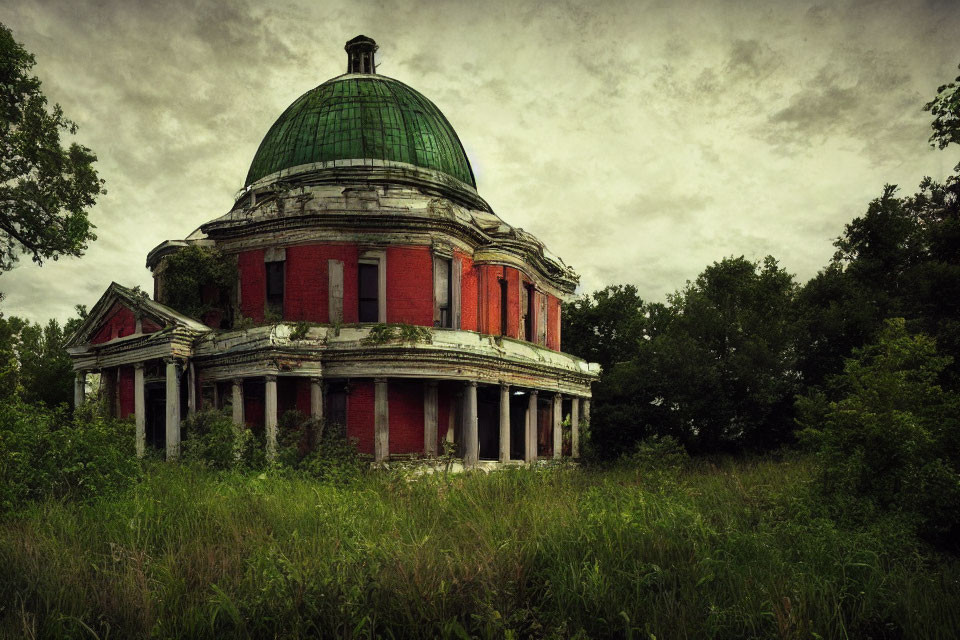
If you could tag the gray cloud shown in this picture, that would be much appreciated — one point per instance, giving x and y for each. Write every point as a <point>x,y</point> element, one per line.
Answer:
<point>640,142</point>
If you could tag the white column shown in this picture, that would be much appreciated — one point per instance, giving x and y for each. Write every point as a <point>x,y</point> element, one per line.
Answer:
<point>557,426</point>
<point>270,415</point>
<point>381,420</point>
<point>471,432</point>
<point>530,451</point>
<point>237,402</point>
<point>173,409</point>
<point>79,389</point>
<point>504,422</point>
<point>139,408</point>
<point>191,391</point>
<point>575,427</point>
<point>431,416</point>
<point>316,407</point>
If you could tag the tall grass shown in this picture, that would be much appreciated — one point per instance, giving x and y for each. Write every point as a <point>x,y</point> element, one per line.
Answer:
<point>735,550</point>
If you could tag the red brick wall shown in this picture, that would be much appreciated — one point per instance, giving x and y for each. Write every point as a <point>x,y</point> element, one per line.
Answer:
<point>410,286</point>
<point>553,323</point>
<point>307,286</point>
<point>253,284</point>
<point>469,293</point>
<point>253,392</point>
<point>119,322</point>
<point>125,382</point>
<point>406,416</point>
<point>360,414</point>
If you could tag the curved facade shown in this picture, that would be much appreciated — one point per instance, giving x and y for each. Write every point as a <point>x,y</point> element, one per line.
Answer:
<point>376,291</point>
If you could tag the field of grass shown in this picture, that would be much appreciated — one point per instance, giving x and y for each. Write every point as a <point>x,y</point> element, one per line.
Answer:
<point>728,550</point>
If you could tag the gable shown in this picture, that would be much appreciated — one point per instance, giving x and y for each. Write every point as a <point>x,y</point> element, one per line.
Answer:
<point>120,321</point>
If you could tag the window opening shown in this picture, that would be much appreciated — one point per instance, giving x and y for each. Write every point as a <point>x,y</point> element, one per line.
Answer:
<point>368,292</point>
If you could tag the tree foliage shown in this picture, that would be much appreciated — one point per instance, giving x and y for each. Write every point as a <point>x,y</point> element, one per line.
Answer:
<point>714,367</point>
<point>34,364</point>
<point>945,108</point>
<point>45,189</point>
<point>891,439</point>
<point>198,281</point>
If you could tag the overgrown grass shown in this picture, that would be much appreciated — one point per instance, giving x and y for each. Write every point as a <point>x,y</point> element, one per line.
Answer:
<point>735,550</point>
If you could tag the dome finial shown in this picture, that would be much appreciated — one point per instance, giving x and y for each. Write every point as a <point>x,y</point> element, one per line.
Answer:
<point>360,51</point>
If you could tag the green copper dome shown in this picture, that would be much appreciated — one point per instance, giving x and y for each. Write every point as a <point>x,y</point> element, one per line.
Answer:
<point>362,116</point>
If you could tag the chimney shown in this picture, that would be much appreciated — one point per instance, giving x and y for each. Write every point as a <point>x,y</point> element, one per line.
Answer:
<point>360,52</point>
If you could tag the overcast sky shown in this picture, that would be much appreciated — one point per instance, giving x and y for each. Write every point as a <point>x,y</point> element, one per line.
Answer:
<point>640,141</point>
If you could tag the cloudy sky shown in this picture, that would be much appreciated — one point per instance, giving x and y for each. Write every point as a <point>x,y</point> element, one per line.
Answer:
<point>639,140</point>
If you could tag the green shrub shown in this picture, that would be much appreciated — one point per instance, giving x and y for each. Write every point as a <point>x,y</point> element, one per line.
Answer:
<point>211,438</point>
<point>889,442</point>
<point>335,459</point>
<point>49,452</point>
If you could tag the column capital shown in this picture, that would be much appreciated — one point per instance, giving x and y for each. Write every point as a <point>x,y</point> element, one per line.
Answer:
<point>171,360</point>
<point>139,365</point>
<point>81,374</point>
<point>534,392</point>
<point>380,380</point>
<point>505,386</point>
<point>237,382</point>
<point>316,380</point>
<point>270,377</point>
<point>472,383</point>
<point>558,396</point>
<point>431,383</point>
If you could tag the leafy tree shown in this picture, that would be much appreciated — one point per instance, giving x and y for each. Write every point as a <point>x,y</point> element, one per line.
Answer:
<point>34,364</point>
<point>605,326</point>
<point>715,367</point>
<point>45,189</point>
<point>945,108</point>
<point>891,441</point>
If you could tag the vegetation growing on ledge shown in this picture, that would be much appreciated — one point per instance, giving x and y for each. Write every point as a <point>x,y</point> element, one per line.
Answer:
<point>199,280</point>
<point>404,333</point>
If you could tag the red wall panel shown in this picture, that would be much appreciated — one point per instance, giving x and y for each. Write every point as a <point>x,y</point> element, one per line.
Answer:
<point>553,323</point>
<point>469,293</point>
<point>406,416</point>
<point>360,415</point>
<point>490,276</point>
<point>119,322</point>
<point>513,302</point>
<point>410,286</point>
<point>125,382</point>
<point>253,284</point>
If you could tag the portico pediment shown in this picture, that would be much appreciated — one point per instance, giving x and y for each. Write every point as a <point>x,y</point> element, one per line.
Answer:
<point>124,315</point>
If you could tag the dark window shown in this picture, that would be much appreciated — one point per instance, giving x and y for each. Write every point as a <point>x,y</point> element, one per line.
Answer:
<point>503,307</point>
<point>528,318</point>
<point>337,408</point>
<point>369,277</point>
<point>275,287</point>
<point>442,289</point>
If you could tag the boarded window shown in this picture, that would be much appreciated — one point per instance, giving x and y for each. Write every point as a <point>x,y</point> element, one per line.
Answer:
<point>369,292</point>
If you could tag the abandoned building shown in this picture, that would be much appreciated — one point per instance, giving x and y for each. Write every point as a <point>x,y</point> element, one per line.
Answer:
<point>375,291</point>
